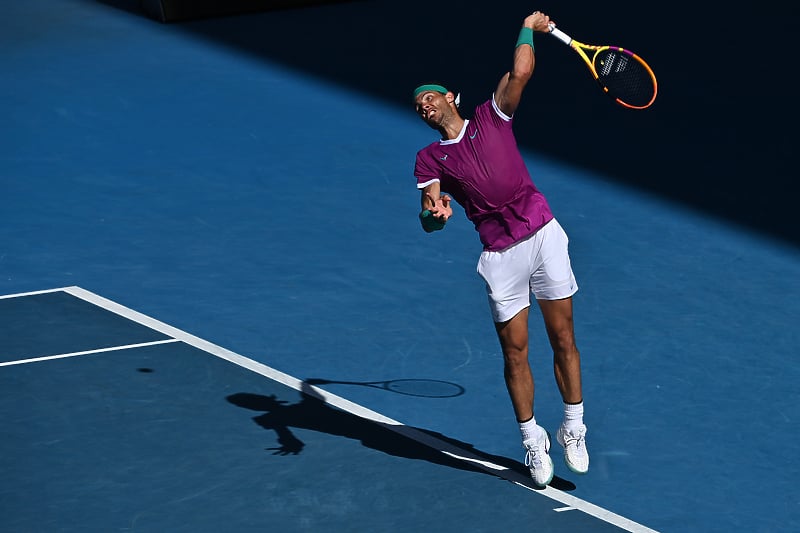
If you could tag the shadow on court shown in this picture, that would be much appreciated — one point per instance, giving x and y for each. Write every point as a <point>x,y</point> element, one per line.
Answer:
<point>709,141</point>
<point>281,417</point>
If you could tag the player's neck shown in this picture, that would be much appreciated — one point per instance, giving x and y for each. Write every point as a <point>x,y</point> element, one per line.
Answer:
<point>451,128</point>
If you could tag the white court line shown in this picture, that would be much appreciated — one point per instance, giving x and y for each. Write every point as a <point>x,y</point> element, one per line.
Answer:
<point>33,293</point>
<point>86,352</point>
<point>358,410</point>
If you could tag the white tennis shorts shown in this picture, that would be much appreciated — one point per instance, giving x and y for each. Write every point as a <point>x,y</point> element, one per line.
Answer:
<point>539,265</point>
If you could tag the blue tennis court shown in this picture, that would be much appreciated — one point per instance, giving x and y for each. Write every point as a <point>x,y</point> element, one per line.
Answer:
<point>214,317</point>
<point>166,431</point>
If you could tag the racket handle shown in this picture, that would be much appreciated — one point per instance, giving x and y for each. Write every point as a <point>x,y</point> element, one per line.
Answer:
<point>560,35</point>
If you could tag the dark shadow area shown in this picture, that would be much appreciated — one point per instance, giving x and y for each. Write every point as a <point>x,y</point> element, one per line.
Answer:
<point>181,10</point>
<point>131,6</point>
<point>312,413</point>
<point>719,137</point>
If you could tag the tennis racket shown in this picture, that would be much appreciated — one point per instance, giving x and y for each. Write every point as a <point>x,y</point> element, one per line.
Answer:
<point>622,75</point>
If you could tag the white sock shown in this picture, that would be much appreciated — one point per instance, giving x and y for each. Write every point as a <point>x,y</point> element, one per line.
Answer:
<point>573,416</point>
<point>530,430</point>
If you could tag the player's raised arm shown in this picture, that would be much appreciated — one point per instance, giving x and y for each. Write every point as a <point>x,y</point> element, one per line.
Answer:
<point>509,91</point>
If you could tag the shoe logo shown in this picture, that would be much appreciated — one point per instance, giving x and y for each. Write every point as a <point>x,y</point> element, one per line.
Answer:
<point>474,134</point>
<point>444,157</point>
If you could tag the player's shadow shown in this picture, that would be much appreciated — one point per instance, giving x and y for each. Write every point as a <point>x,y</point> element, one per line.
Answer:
<point>312,413</point>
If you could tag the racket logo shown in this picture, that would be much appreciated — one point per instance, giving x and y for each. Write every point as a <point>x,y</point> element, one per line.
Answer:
<point>613,63</point>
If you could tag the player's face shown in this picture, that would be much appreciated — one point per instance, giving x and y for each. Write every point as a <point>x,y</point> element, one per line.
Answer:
<point>432,107</point>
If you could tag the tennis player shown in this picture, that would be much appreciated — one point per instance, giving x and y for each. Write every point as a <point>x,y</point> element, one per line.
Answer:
<point>525,250</point>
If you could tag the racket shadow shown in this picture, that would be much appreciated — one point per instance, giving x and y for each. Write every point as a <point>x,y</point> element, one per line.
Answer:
<point>284,417</point>
<point>420,388</point>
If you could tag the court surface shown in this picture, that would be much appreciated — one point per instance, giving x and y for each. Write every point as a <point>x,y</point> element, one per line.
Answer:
<point>147,428</point>
<point>210,261</point>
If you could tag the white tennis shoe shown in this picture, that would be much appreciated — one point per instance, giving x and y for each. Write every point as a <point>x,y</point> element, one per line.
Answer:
<point>575,453</point>
<point>537,459</point>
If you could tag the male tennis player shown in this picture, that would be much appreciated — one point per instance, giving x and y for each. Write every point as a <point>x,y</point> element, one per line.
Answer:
<point>524,248</point>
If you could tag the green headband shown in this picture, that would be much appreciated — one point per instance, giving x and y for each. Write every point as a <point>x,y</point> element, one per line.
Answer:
<point>430,87</point>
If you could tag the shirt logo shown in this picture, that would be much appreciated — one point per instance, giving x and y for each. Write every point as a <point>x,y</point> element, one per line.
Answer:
<point>474,134</point>
<point>444,157</point>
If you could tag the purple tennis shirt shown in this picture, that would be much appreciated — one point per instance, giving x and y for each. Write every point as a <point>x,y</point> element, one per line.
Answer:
<point>483,171</point>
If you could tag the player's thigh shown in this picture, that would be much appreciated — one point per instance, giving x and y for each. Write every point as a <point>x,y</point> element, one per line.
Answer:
<point>513,334</point>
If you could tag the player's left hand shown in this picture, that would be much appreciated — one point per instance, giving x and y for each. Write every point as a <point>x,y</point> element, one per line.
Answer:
<point>440,207</point>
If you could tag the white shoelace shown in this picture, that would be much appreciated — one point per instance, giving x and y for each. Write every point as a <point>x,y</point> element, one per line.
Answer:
<point>532,457</point>
<point>578,440</point>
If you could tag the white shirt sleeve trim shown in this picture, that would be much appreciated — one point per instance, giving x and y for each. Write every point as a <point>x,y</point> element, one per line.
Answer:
<point>498,111</point>
<point>425,184</point>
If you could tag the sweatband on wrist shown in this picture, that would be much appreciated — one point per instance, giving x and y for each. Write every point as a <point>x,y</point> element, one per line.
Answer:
<point>429,222</point>
<point>525,37</point>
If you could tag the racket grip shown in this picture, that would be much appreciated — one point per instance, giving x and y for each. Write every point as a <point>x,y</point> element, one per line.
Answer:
<point>560,35</point>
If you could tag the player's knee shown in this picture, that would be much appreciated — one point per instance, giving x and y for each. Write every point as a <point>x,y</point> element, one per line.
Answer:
<point>563,342</point>
<point>515,362</point>
<point>515,353</point>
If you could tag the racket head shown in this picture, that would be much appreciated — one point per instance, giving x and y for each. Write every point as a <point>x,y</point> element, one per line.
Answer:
<point>624,76</point>
<point>424,388</point>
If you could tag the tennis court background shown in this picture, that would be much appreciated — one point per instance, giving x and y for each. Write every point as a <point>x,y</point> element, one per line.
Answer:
<point>177,176</point>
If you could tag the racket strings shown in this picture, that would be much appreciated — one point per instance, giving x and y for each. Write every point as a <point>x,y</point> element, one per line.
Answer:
<point>625,77</point>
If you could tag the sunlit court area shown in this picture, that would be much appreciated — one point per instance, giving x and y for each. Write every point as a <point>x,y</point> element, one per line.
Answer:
<point>219,312</point>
